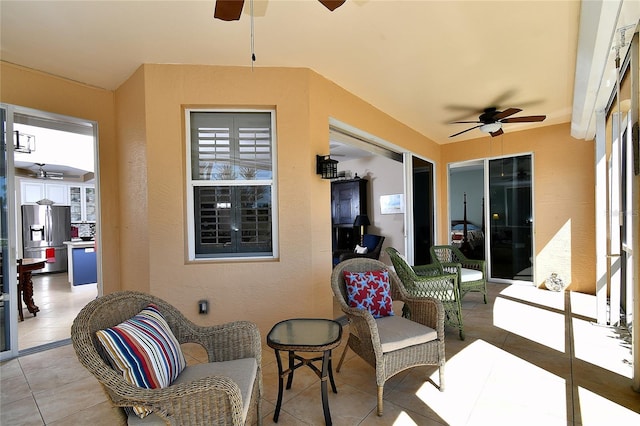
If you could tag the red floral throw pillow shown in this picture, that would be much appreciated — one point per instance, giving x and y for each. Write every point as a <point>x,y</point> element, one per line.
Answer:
<point>371,291</point>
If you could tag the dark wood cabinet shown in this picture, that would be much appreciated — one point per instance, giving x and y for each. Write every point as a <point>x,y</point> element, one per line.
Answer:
<point>348,200</point>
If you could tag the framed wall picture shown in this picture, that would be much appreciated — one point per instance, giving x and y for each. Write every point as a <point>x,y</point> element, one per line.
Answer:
<point>392,204</point>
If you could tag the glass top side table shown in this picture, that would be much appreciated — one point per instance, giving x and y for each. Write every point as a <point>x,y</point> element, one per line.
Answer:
<point>305,335</point>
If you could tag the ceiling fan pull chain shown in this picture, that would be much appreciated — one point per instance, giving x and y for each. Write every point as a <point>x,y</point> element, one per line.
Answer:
<point>253,53</point>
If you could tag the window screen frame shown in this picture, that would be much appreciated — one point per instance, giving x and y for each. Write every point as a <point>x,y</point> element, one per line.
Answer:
<point>192,184</point>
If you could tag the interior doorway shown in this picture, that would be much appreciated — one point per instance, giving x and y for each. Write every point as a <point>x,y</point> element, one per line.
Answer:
<point>394,176</point>
<point>53,164</point>
<point>423,210</point>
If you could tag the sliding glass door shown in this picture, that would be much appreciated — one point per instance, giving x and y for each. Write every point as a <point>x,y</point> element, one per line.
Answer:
<point>511,218</point>
<point>8,281</point>
<point>491,200</point>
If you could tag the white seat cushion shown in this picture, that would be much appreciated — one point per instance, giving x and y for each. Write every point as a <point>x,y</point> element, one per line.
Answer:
<point>397,332</point>
<point>467,275</point>
<point>242,371</point>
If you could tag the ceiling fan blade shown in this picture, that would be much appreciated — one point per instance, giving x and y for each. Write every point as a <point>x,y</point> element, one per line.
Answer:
<point>465,122</point>
<point>228,10</point>
<point>332,4</point>
<point>526,119</point>
<point>496,133</point>
<point>471,128</point>
<point>506,113</point>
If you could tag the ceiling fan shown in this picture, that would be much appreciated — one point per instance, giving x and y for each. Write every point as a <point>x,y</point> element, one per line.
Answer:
<point>230,10</point>
<point>491,120</point>
<point>41,173</point>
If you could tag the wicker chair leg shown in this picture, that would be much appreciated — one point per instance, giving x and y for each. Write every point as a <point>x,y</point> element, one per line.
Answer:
<point>380,393</point>
<point>460,323</point>
<point>441,372</point>
<point>346,348</point>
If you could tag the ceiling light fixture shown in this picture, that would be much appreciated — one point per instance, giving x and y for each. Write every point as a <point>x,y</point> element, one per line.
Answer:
<point>23,143</point>
<point>491,127</point>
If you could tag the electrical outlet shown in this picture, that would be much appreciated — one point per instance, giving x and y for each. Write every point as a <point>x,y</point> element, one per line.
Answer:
<point>203,307</point>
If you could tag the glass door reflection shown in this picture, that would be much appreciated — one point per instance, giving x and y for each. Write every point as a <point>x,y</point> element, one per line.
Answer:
<point>511,218</point>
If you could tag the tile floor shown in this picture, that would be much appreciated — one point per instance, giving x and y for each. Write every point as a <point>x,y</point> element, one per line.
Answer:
<point>59,303</point>
<point>531,357</point>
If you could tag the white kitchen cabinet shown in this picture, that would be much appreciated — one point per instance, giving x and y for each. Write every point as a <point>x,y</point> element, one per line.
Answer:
<point>33,191</point>
<point>57,192</point>
<point>82,199</point>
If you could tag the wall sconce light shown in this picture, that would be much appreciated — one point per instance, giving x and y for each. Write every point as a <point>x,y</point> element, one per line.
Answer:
<point>326,167</point>
<point>23,142</point>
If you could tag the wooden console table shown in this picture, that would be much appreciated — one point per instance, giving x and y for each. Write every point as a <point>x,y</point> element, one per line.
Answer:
<point>25,284</point>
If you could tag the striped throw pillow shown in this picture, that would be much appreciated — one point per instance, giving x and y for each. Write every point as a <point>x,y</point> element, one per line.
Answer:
<point>144,350</point>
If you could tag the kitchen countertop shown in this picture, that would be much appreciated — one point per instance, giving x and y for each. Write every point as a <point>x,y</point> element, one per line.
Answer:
<point>79,243</point>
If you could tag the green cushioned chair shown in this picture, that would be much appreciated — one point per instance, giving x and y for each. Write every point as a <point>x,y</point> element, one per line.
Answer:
<point>472,274</point>
<point>431,281</point>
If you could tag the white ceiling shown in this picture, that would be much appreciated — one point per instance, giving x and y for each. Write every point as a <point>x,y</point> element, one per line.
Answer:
<point>426,63</point>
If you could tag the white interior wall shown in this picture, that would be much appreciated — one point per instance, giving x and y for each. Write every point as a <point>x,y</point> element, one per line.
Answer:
<point>385,178</point>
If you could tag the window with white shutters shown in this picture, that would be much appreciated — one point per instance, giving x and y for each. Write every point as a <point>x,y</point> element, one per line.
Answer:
<point>231,179</point>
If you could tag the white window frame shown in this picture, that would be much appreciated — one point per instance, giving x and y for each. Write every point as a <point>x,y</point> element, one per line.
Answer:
<point>191,184</point>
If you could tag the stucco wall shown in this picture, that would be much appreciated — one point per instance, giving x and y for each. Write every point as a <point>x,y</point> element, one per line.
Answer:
<point>32,89</point>
<point>297,283</point>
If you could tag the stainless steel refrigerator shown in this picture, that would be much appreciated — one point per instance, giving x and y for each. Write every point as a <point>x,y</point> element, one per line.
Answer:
<point>45,228</point>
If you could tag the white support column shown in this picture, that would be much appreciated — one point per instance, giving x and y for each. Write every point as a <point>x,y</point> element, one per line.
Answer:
<point>615,260</point>
<point>601,218</point>
<point>635,211</point>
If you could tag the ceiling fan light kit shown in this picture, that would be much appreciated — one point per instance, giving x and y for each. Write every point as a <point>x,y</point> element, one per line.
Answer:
<point>491,127</point>
<point>24,143</point>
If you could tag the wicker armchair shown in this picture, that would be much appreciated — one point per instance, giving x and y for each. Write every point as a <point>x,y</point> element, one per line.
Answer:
<point>431,281</point>
<point>203,399</point>
<point>472,274</point>
<point>371,338</point>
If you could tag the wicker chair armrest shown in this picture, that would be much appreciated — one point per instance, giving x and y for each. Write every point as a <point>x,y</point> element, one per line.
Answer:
<point>218,396</point>
<point>224,342</point>
<point>451,267</point>
<point>427,311</point>
<point>443,287</point>
<point>365,328</point>
<point>474,264</point>
<point>428,270</point>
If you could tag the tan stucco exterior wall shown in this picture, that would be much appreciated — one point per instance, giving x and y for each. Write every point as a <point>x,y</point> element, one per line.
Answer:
<point>131,166</point>
<point>31,89</point>
<point>154,231</point>
<point>564,197</point>
<point>142,183</point>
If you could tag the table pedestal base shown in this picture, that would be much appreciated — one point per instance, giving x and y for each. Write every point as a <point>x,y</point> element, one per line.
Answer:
<point>25,284</point>
<point>27,294</point>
